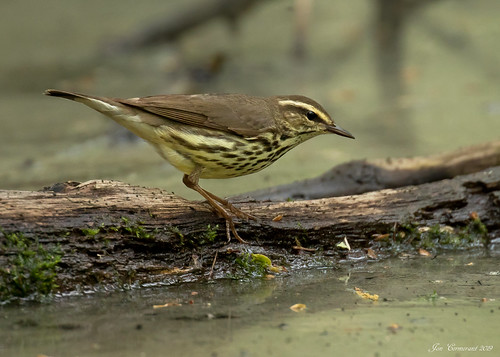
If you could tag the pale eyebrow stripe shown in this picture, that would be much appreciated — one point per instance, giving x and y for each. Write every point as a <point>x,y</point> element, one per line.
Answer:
<point>303,105</point>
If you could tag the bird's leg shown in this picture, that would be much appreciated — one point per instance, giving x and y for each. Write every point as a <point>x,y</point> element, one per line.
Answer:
<point>236,211</point>
<point>191,181</point>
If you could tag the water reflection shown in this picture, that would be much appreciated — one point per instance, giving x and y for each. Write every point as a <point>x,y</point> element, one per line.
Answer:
<point>422,302</point>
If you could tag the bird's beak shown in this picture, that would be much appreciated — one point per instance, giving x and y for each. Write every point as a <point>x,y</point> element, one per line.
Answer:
<point>335,129</point>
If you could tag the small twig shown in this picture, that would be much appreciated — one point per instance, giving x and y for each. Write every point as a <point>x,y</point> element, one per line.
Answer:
<point>228,231</point>
<point>298,247</point>
<point>210,276</point>
<point>394,231</point>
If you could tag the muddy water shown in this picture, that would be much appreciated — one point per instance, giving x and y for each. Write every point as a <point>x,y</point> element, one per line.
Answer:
<point>425,304</point>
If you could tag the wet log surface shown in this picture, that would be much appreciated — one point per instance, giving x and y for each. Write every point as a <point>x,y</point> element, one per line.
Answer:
<point>112,233</point>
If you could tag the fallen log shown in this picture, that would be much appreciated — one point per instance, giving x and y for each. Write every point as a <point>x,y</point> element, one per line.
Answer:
<point>113,234</point>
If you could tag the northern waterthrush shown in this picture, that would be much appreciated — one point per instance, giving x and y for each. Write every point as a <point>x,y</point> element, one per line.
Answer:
<point>216,135</point>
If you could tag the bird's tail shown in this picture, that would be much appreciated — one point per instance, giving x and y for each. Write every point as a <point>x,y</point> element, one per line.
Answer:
<point>107,106</point>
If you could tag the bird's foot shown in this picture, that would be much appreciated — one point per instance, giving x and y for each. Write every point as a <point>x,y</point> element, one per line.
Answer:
<point>239,213</point>
<point>230,228</point>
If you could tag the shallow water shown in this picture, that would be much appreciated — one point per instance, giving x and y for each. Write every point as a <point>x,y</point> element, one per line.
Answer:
<point>424,303</point>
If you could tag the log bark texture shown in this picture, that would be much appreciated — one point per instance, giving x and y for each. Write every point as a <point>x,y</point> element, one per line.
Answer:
<point>143,235</point>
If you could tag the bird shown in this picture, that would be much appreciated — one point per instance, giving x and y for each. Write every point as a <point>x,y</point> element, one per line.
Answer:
<point>216,136</point>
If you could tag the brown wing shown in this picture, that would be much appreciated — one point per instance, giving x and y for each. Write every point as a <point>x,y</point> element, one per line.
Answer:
<point>235,113</point>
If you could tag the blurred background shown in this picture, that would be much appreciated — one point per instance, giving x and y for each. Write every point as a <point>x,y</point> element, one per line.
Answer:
<point>405,77</point>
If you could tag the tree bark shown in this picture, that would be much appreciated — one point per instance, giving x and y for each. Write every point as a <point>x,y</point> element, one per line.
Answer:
<point>112,233</point>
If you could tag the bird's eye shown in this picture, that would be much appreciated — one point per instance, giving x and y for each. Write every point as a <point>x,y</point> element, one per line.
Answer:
<point>312,116</point>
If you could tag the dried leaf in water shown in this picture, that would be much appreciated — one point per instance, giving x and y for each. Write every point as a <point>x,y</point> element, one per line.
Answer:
<point>394,327</point>
<point>424,252</point>
<point>298,307</point>
<point>168,304</point>
<point>367,296</point>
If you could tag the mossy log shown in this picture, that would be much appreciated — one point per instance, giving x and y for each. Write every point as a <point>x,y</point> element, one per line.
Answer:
<point>113,233</point>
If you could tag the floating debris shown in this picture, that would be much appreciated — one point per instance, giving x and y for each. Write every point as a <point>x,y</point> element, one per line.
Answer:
<point>298,307</point>
<point>362,294</point>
